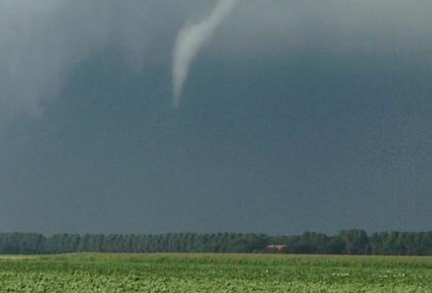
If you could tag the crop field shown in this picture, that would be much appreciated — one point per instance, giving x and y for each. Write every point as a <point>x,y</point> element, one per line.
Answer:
<point>193,273</point>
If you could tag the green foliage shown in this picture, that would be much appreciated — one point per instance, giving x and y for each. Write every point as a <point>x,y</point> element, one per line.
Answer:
<point>214,273</point>
<point>346,242</point>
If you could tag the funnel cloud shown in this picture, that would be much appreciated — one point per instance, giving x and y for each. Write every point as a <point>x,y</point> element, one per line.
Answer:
<point>191,39</point>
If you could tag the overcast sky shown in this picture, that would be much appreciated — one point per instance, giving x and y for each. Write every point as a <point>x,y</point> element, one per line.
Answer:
<point>294,115</point>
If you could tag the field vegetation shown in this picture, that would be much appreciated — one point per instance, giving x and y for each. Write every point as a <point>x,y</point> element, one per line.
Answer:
<point>191,273</point>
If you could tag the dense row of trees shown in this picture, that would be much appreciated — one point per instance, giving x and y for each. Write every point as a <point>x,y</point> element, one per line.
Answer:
<point>346,242</point>
<point>28,243</point>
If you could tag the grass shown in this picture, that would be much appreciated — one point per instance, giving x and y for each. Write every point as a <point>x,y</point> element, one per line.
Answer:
<point>214,273</point>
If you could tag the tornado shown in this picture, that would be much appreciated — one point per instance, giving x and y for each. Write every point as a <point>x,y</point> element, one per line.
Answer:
<point>191,39</point>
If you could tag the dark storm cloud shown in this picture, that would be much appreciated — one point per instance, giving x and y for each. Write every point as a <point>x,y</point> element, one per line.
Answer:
<point>296,114</point>
<point>41,42</point>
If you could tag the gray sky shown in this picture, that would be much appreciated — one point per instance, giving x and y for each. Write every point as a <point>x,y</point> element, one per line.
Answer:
<point>296,115</point>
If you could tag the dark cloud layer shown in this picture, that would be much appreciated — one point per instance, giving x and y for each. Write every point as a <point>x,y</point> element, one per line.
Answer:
<point>297,115</point>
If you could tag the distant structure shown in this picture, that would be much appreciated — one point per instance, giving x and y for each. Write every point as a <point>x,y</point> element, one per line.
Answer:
<point>275,248</point>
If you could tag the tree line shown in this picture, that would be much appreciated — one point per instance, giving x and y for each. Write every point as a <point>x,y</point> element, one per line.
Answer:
<point>346,242</point>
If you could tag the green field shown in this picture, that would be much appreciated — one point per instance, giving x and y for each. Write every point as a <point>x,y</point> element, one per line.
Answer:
<point>214,273</point>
